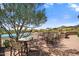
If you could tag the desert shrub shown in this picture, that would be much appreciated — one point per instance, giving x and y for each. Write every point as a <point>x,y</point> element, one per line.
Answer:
<point>6,43</point>
<point>53,38</point>
<point>78,34</point>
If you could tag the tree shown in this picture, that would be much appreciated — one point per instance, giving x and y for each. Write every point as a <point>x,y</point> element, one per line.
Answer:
<point>20,17</point>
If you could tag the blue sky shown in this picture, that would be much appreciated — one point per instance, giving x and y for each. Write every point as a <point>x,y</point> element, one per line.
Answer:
<point>61,14</point>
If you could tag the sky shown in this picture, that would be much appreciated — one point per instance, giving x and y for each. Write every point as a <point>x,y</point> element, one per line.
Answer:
<point>61,14</point>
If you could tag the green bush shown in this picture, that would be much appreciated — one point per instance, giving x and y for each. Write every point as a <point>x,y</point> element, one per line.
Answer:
<point>78,34</point>
<point>6,43</point>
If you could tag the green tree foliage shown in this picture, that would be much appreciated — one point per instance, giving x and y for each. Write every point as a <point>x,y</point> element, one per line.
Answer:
<point>20,17</point>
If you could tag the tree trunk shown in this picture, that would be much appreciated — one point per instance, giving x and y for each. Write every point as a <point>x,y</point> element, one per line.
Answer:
<point>26,48</point>
<point>10,51</point>
<point>17,38</point>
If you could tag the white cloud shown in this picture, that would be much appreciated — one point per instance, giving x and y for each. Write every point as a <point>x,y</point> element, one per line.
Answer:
<point>71,24</point>
<point>48,5</point>
<point>74,6</point>
<point>66,17</point>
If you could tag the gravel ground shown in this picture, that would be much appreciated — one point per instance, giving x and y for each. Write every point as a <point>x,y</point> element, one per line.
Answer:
<point>71,43</point>
<point>70,48</point>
